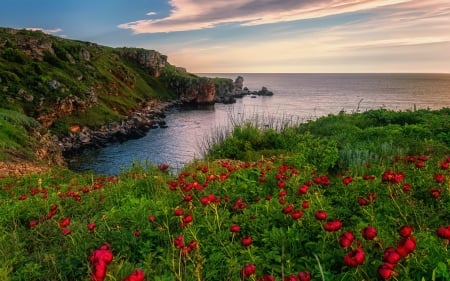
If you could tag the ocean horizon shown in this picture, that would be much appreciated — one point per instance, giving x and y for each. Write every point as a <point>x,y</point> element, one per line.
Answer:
<point>297,96</point>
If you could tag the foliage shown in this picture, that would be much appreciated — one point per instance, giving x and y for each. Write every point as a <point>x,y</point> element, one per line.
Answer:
<point>243,219</point>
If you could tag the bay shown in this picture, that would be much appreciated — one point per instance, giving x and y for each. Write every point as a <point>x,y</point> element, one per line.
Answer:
<point>297,97</point>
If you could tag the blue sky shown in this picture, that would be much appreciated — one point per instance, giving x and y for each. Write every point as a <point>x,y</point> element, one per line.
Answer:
<point>240,36</point>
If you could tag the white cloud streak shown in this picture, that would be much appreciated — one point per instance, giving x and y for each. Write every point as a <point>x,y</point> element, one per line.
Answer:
<point>187,15</point>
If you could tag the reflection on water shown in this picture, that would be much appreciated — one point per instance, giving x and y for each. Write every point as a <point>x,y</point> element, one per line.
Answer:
<point>297,97</point>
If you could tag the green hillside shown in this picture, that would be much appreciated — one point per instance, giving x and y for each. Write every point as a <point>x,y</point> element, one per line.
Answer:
<point>59,82</point>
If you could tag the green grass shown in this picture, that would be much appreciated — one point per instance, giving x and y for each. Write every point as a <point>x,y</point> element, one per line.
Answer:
<point>134,212</point>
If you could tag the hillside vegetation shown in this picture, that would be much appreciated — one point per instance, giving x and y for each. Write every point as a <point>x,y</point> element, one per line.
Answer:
<point>59,82</point>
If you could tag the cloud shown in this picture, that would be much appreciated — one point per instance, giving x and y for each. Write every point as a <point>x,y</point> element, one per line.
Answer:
<point>151,13</point>
<point>187,15</point>
<point>47,31</point>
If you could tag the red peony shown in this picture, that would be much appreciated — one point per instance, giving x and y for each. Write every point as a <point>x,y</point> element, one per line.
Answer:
<point>64,222</point>
<point>386,271</point>
<point>246,241</point>
<point>91,226</point>
<point>369,233</point>
<point>439,178</point>
<point>235,228</point>
<point>320,215</point>
<point>296,214</point>
<point>305,204</point>
<point>391,255</point>
<point>178,212</point>
<point>346,239</point>
<point>435,192</point>
<point>136,275</point>
<point>266,277</point>
<point>302,189</point>
<point>304,276</point>
<point>355,257</point>
<point>405,231</point>
<point>248,270</point>
<point>333,225</point>
<point>288,209</point>
<point>178,242</point>
<point>406,246</point>
<point>443,232</point>
<point>347,180</point>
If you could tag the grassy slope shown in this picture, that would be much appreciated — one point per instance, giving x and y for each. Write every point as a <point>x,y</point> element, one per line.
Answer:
<point>118,83</point>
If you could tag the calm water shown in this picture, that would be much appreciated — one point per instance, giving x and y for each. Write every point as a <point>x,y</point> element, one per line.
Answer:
<point>296,96</point>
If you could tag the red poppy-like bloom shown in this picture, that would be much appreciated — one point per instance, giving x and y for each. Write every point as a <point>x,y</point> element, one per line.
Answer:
<point>178,242</point>
<point>304,275</point>
<point>355,257</point>
<point>99,259</point>
<point>320,215</point>
<point>246,241</point>
<point>64,222</point>
<point>248,270</point>
<point>405,231</point>
<point>435,192</point>
<point>386,271</point>
<point>443,232</point>
<point>347,180</point>
<point>302,189</point>
<point>266,277</point>
<point>288,209</point>
<point>297,214</point>
<point>346,239</point>
<point>363,201</point>
<point>137,233</point>
<point>178,212</point>
<point>305,204</point>
<point>91,226</point>
<point>151,218</point>
<point>66,231</point>
<point>406,246</point>
<point>439,178</point>
<point>137,275</point>
<point>369,233</point>
<point>235,228</point>
<point>391,255</point>
<point>333,225</point>
<point>32,224</point>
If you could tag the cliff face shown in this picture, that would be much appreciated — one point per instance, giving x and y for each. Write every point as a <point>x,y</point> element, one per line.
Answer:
<point>71,87</point>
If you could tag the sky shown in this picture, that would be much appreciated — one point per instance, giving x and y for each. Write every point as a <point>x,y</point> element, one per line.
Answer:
<point>256,36</point>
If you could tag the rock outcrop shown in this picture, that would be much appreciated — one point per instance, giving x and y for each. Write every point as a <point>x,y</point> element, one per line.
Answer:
<point>196,90</point>
<point>137,124</point>
<point>153,61</point>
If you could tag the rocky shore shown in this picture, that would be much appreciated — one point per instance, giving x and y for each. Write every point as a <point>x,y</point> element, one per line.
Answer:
<point>150,115</point>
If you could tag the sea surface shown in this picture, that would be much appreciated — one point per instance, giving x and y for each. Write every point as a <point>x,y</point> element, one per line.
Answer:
<point>297,98</point>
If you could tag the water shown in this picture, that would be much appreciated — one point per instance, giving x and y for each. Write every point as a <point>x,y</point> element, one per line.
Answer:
<point>296,97</point>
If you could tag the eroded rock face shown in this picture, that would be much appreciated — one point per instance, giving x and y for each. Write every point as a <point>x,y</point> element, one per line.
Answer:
<point>153,61</point>
<point>194,90</point>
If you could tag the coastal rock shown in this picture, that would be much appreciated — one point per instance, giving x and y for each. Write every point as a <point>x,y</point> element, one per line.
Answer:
<point>153,61</point>
<point>135,125</point>
<point>194,90</point>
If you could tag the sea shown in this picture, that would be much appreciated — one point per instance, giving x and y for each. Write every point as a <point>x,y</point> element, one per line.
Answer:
<point>297,98</point>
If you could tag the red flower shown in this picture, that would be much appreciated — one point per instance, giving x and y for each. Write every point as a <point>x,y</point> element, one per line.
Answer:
<point>420,164</point>
<point>186,220</point>
<point>288,209</point>
<point>91,226</point>
<point>32,223</point>
<point>163,167</point>
<point>363,202</point>
<point>305,204</point>
<point>435,192</point>
<point>204,200</point>
<point>137,233</point>
<point>248,270</point>
<point>406,246</point>
<point>386,271</point>
<point>246,241</point>
<point>355,257</point>
<point>178,212</point>
<point>332,225</point>
<point>391,255</point>
<point>443,232</point>
<point>405,231</point>
<point>347,180</point>
<point>290,278</point>
<point>304,276</point>
<point>64,222</point>
<point>439,178</point>
<point>444,165</point>
<point>188,198</point>
<point>321,215</point>
<point>151,218</point>
<point>266,277</point>
<point>178,242</point>
<point>235,228</point>
<point>406,187</point>
<point>302,189</point>
<point>136,275</point>
<point>346,239</point>
<point>369,233</point>
<point>296,214</point>
<point>100,259</point>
